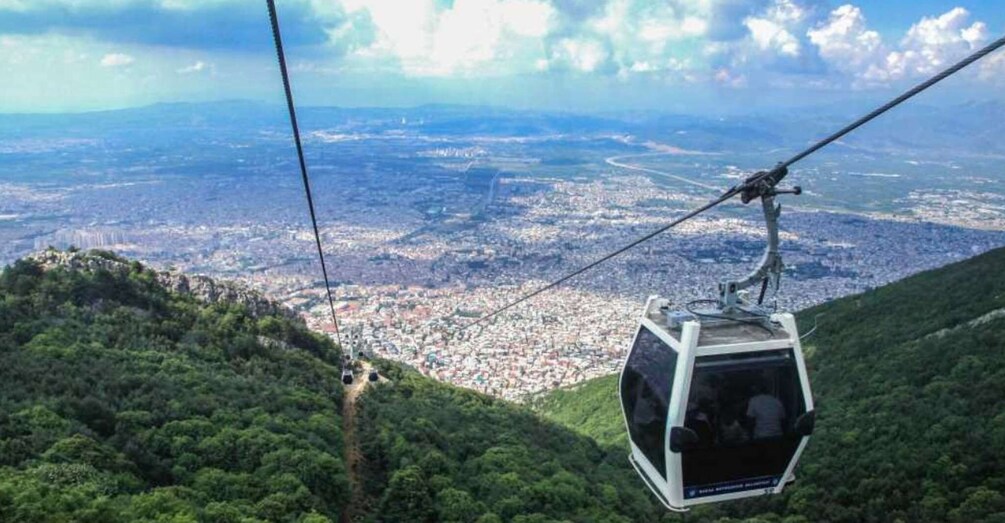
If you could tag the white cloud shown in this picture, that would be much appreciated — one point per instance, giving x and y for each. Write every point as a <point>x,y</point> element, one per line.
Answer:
<point>933,43</point>
<point>770,30</point>
<point>769,35</point>
<point>584,55</point>
<point>845,41</point>
<point>768,50</point>
<point>656,29</point>
<point>993,69</point>
<point>930,45</point>
<point>116,60</point>
<point>470,35</point>
<point>198,67</point>
<point>637,36</point>
<point>731,43</point>
<point>28,5</point>
<point>18,6</point>
<point>729,78</point>
<point>497,37</point>
<point>642,67</point>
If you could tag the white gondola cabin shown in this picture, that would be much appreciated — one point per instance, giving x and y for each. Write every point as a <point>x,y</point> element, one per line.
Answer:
<point>717,402</point>
<point>715,410</point>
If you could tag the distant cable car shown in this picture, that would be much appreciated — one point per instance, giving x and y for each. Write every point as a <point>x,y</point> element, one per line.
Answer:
<point>347,377</point>
<point>717,402</point>
<point>374,376</point>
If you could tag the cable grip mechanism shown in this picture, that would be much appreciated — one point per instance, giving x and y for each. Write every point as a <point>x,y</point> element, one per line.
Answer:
<point>768,272</point>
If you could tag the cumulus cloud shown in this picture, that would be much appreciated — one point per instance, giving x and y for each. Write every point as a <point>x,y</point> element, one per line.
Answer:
<point>734,43</point>
<point>729,78</point>
<point>116,60</point>
<point>772,49</point>
<point>488,37</point>
<point>846,42</point>
<point>198,67</point>
<point>427,39</point>
<point>768,34</point>
<point>646,37</point>
<point>933,43</point>
<point>770,30</point>
<point>584,55</point>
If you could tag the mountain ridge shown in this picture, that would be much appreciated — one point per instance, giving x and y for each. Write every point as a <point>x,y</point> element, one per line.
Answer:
<point>198,286</point>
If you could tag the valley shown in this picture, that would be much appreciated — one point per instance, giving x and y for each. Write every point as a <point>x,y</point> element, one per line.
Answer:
<point>434,215</point>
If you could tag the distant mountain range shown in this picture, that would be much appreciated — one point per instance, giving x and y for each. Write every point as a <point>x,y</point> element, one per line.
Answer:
<point>966,129</point>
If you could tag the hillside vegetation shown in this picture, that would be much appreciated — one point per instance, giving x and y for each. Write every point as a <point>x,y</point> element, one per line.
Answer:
<point>435,452</point>
<point>577,407</point>
<point>909,381</point>
<point>121,401</point>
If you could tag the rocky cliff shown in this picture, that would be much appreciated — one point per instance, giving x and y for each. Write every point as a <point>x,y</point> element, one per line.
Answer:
<point>200,287</point>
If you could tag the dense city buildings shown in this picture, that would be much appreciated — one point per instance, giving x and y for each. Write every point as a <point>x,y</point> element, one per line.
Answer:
<point>426,230</point>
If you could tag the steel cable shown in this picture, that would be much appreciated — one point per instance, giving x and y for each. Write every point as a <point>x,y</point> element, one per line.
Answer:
<point>274,18</point>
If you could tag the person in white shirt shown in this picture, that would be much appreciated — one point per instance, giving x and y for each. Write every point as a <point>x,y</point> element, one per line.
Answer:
<point>767,412</point>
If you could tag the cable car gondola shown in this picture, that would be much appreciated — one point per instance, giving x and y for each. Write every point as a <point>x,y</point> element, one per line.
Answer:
<point>347,377</point>
<point>717,401</point>
<point>374,376</point>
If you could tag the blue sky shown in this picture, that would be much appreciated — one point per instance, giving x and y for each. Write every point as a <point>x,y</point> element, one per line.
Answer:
<point>589,55</point>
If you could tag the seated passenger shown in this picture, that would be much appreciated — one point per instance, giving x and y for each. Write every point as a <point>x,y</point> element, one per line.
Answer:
<point>649,417</point>
<point>699,420</point>
<point>731,431</point>
<point>767,413</point>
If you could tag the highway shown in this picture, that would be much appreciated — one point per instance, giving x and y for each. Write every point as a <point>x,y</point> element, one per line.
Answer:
<point>615,161</point>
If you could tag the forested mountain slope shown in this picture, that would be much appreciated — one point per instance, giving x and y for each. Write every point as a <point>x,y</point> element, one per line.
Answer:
<point>435,452</point>
<point>591,408</point>
<point>909,381</point>
<point>123,401</point>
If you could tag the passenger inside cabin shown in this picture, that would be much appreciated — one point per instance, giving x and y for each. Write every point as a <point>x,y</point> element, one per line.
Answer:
<point>699,419</point>
<point>731,431</point>
<point>647,417</point>
<point>766,412</point>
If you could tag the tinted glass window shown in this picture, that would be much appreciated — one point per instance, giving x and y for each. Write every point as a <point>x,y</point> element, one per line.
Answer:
<point>743,408</point>
<point>645,394</point>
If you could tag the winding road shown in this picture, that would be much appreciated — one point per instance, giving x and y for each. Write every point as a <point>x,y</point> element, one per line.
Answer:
<point>615,162</point>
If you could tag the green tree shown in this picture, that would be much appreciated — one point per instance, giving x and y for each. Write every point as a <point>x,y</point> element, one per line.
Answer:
<point>407,499</point>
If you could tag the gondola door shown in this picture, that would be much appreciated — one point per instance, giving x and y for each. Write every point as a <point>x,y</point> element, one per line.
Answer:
<point>654,373</point>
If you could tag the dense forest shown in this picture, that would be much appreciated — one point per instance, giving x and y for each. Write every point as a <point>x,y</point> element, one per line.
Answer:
<point>909,381</point>
<point>577,407</point>
<point>121,401</point>
<point>435,452</point>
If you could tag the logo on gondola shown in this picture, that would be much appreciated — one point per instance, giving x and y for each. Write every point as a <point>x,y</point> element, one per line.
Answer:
<point>692,493</point>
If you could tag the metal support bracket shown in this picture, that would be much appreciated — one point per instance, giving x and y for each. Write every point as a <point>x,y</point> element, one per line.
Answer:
<point>768,273</point>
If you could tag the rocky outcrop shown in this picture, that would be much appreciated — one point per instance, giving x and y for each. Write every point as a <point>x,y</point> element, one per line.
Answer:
<point>200,287</point>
